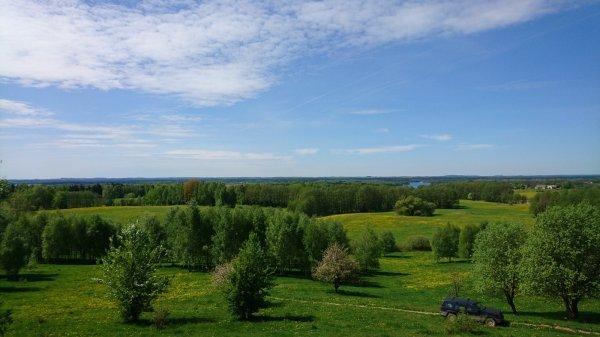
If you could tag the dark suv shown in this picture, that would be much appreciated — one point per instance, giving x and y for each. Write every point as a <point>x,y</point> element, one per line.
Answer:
<point>489,316</point>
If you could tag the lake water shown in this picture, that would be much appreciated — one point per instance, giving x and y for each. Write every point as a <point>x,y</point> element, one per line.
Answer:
<point>417,184</point>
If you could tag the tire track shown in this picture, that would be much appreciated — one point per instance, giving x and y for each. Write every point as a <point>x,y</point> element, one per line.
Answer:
<point>430,313</point>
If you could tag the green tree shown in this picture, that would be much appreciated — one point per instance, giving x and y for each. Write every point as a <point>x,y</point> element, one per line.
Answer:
<point>367,250</point>
<point>497,258</point>
<point>336,267</point>
<point>445,242</point>
<point>248,280</point>
<point>411,205</point>
<point>129,272</point>
<point>466,240</point>
<point>562,258</point>
<point>57,239</point>
<point>285,233</point>
<point>388,242</point>
<point>14,250</point>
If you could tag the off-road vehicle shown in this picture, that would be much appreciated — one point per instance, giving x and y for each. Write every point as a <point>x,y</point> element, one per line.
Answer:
<point>488,316</point>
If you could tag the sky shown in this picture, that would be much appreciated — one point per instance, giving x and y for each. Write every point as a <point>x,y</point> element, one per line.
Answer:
<point>298,88</point>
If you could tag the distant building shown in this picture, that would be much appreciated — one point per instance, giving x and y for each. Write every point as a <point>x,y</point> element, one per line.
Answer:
<point>546,187</point>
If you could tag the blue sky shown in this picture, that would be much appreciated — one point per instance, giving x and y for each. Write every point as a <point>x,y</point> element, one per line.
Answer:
<point>329,88</point>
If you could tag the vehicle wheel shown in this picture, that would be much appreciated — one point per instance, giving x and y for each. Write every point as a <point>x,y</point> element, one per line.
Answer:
<point>451,317</point>
<point>490,322</point>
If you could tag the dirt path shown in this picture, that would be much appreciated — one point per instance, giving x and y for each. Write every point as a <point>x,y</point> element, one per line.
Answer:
<point>430,313</point>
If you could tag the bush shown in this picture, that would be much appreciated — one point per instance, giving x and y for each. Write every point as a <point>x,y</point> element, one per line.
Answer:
<point>460,324</point>
<point>417,243</point>
<point>367,250</point>
<point>414,206</point>
<point>247,282</point>
<point>445,242</point>
<point>388,242</point>
<point>129,272</point>
<point>336,267</point>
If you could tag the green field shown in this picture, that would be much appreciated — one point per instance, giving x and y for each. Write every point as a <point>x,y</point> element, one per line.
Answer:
<point>61,300</point>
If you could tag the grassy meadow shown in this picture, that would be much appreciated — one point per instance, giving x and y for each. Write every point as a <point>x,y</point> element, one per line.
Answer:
<point>63,300</point>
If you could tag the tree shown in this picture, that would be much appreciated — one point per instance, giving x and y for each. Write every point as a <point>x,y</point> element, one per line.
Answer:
<point>57,239</point>
<point>189,189</point>
<point>367,250</point>
<point>388,242</point>
<point>129,272</point>
<point>562,258</point>
<point>497,257</point>
<point>336,267</point>
<point>248,280</point>
<point>411,205</point>
<point>445,242</point>
<point>466,240</point>
<point>14,250</point>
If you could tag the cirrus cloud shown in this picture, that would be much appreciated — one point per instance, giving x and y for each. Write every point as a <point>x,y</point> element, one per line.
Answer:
<point>215,52</point>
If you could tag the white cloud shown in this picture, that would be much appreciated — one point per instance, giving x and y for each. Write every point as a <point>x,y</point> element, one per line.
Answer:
<point>442,137</point>
<point>21,108</point>
<point>382,130</point>
<point>216,52</point>
<point>519,85</point>
<point>204,154</point>
<point>306,151</point>
<point>384,149</point>
<point>469,147</point>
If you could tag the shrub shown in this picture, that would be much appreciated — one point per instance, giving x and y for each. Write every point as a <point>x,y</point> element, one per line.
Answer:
<point>445,242</point>
<point>388,242</point>
<point>336,267</point>
<point>14,250</point>
<point>466,240</point>
<point>248,281</point>
<point>417,243</point>
<point>416,206</point>
<point>462,323</point>
<point>367,250</point>
<point>160,318</point>
<point>129,272</point>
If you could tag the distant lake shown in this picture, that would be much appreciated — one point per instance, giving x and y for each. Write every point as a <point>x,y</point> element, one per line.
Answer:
<point>417,184</point>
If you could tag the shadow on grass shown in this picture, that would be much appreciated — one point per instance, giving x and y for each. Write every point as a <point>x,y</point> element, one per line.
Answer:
<point>174,321</point>
<point>345,292</point>
<point>365,284</point>
<point>286,317</point>
<point>396,256</point>
<point>31,277</point>
<point>584,316</point>
<point>18,289</point>
<point>386,273</point>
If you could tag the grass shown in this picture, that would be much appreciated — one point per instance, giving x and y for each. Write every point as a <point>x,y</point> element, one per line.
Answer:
<point>60,300</point>
<point>470,212</point>
<point>120,214</point>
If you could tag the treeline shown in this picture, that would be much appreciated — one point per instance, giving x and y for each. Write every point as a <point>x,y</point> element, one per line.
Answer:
<point>194,237</point>
<point>546,199</point>
<point>308,198</point>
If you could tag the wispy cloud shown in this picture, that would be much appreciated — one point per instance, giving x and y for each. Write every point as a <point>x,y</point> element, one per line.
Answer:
<point>205,154</point>
<point>383,149</point>
<point>519,85</point>
<point>470,147</point>
<point>442,137</point>
<point>216,52</point>
<point>368,112</point>
<point>306,151</point>
<point>382,130</point>
<point>21,108</point>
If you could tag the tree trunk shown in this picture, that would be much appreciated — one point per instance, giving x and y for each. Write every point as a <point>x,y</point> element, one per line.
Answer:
<point>510,298</point>
<point>336,285</point>
<point>571,307</point>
